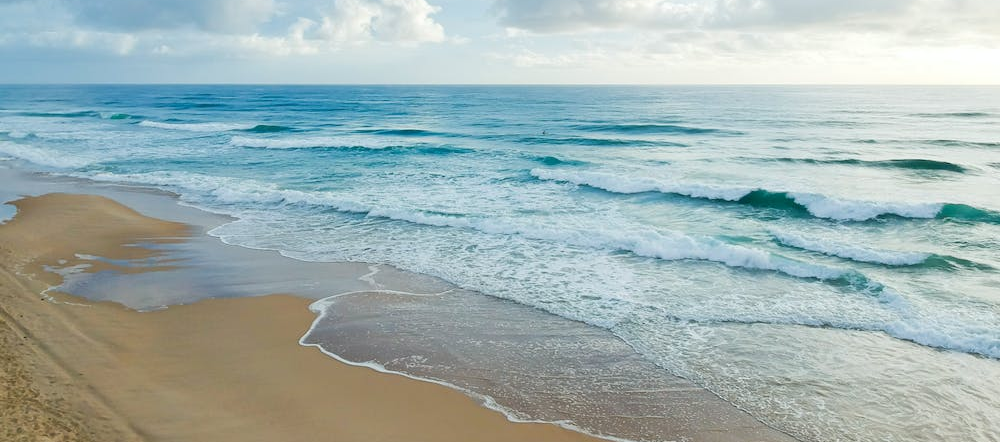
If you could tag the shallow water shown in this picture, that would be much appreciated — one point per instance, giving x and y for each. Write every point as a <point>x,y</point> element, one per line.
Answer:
<point>525,363</point>
<point>528,363</point>
<point>789,248</point>
<point>7,212</point>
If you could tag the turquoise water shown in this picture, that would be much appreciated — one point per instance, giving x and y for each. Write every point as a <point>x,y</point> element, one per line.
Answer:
<point>825,258</point>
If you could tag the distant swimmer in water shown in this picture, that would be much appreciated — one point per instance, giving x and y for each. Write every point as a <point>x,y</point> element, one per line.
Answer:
<point>545,132</point>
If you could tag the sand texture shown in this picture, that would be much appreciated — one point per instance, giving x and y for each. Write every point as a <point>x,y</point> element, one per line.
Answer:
<point>217,370</point>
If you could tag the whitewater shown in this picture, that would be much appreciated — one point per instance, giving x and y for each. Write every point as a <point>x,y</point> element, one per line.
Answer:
<point>794,250</point>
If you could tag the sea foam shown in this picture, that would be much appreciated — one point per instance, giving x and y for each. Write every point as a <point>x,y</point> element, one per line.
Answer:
<point>198,127</point>
<point>820,206</point>
<point>43,157</point>
<point>911,323</point>
<point>666,245</point>
<point>313,142</point>
<point>852,252</point>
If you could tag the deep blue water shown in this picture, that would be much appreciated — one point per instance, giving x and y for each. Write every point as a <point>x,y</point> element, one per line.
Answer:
<point>804,252</point>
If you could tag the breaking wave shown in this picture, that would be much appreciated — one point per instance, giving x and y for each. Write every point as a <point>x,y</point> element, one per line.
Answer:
<point>816,205</point>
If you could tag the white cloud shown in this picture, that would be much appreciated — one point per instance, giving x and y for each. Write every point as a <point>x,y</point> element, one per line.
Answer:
<point>775,40</point>
<point>512,40</point>
<point>548,16</point>
<point>575,15</point>
<point>294,43</point>
<point>239,28</point>
<point>354,21</point>
<point>220,16</point>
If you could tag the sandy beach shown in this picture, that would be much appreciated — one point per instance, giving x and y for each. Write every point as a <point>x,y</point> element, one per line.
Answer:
<point>209,258</point>
<point>218,370</point>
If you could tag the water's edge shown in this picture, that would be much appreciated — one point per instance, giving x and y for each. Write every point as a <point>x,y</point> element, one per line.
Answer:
<point>144,199</point>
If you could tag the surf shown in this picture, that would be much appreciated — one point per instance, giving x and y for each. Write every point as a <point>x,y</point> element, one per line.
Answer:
<point>803,203</point>
<point>906,163</point>
<point>198,127</point>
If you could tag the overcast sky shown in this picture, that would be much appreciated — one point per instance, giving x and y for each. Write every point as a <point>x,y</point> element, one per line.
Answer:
<point>501,41</point>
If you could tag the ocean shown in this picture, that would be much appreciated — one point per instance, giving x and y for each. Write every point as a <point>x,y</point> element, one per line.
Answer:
<point>825,258</point>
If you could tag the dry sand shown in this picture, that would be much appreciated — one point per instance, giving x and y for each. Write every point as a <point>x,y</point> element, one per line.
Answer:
<point>218,370</point>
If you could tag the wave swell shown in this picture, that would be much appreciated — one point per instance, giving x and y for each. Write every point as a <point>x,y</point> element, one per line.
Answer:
<point>953,115</point>
<point>647,243</point>
<point>267,129</point>
<point>912,164</point>
<point>651,129</point>
<point>401,132</point>
<point>854,253</point>
<point>120,116</point>
<point>816,205</point>
<point>199,127</point>
<point>913,325</point>
<point>342,143</point>
<point>43,157</point>
<point>72,114</point>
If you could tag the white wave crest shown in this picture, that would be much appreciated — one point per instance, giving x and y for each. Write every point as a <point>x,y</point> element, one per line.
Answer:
<point>969,335</point>
<point>627,185</point>
<point>666,245</point>
<point>20,135</point>
<point>912,325</point>
<point>314,142</point>
<point>43,157</point>
<point>847,251</point>
<point>820,206</point>
<point>198,127</point>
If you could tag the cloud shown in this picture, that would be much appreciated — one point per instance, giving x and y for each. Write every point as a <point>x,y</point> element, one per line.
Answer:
<point>221,16</point>
<point>510,40</point>
<point>239,28</point>
<point>116,43</point>
<point>761,40</point>
<point>353,22</point>
<point>573,15</point>
<point>553,16</point>
<point>343,21</point>
<point>383,20</point>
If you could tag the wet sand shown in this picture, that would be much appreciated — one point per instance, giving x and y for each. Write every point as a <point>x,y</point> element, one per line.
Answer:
<point>216,370</point>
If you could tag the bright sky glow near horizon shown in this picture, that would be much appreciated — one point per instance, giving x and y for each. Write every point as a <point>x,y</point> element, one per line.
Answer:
<point>501,41</point>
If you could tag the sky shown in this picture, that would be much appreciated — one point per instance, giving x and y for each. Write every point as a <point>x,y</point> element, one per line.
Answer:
<point>501,41</point>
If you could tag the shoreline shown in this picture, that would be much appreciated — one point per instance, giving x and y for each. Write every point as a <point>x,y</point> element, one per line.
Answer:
<point>644,315</point>
<point>218,369</point>
<point>692,412</point>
